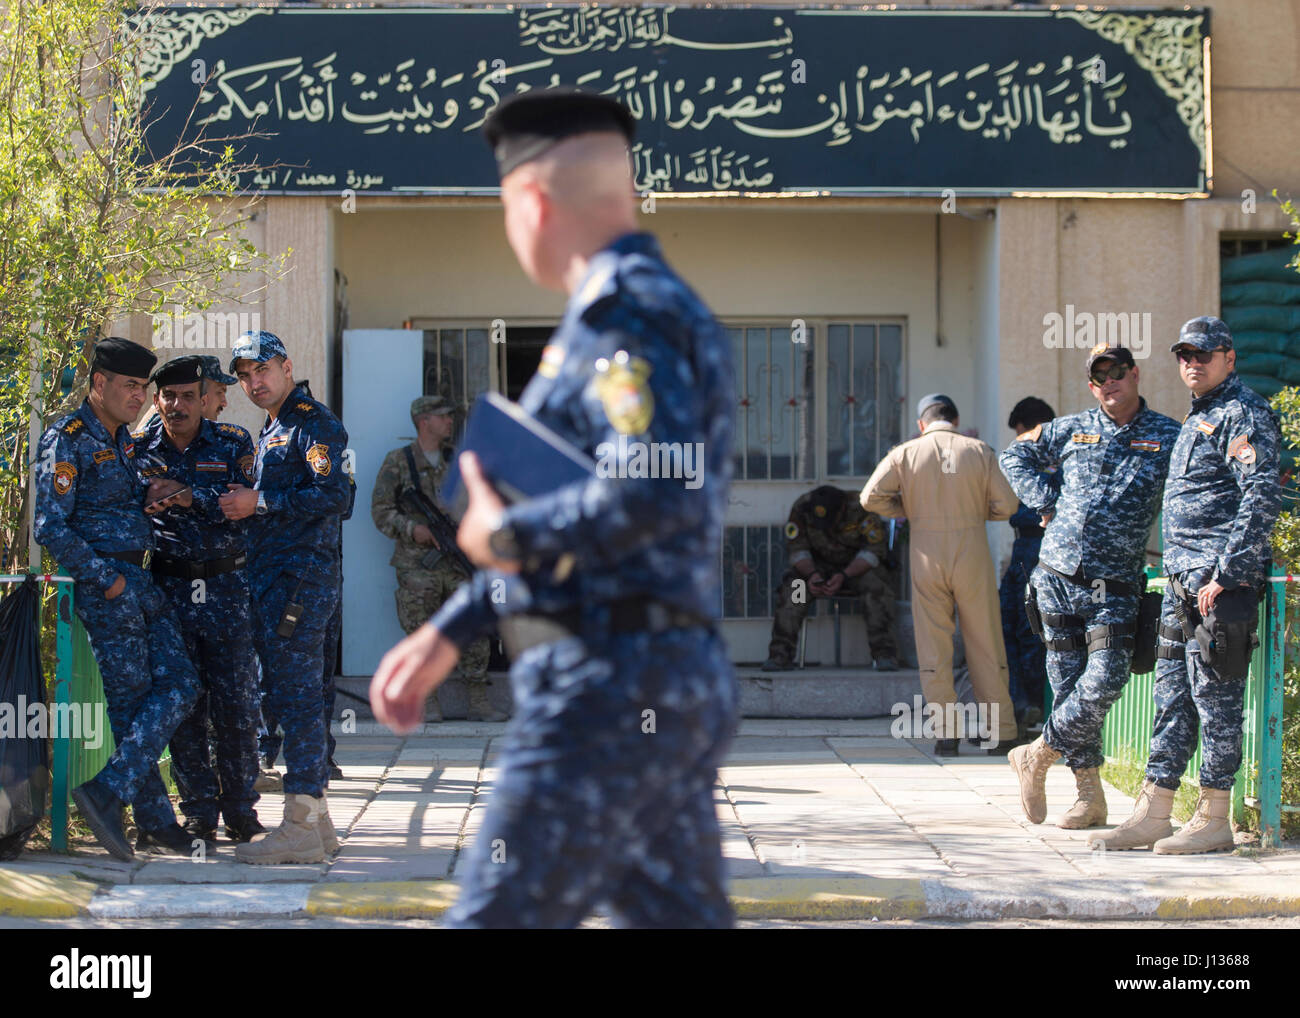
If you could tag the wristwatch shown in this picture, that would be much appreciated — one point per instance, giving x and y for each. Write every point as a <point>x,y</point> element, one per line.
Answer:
<point>501,539</point>
<point>261,504</point>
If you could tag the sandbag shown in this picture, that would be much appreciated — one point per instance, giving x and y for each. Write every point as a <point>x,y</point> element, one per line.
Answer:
<point>1255,341</point>
<point>1261,293</point>
<point>1266,387</point>
<point>1265,266</point>
<point>1272,318</point>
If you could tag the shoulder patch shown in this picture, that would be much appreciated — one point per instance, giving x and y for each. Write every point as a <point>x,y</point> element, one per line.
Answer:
<point>233,430</point>
<point>792,530</point>
<point>63,475</point>
<point>1241,450</point>
<point>304,408</point>
<point>246,465</point>
<point>624,391</point>
<point>73,426</point>
<point>319,458</point>
<point>1032,435</point>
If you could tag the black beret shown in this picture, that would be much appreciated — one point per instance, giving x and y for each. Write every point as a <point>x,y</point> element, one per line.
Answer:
<point>122,357</point>
<point>525,125</point>
<point>179,371</point>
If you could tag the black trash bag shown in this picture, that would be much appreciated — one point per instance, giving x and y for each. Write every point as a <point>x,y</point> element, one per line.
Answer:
<point>24,760</point>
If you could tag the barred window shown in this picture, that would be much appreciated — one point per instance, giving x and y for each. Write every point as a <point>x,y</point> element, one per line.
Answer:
<point>775,419</point>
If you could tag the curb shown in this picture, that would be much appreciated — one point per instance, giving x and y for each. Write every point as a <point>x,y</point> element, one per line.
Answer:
<point>817,898</point>
<point>43,895</point>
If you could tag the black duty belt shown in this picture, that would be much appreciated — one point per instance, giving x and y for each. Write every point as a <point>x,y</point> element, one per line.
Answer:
<point>630,615</point>
<point>1034,532</point>
<point>134,557</point>
<point>168,566</point>
<point>1112,586</point>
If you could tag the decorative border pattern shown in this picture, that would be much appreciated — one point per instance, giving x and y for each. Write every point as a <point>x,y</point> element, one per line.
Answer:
<point>1169,48</point>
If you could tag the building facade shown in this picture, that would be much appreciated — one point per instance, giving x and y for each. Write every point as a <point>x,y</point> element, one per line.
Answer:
<point>845,303</point>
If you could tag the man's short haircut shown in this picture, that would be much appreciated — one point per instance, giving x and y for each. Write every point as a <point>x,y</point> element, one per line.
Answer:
<point>938,412</point>
<point>1030,411</point>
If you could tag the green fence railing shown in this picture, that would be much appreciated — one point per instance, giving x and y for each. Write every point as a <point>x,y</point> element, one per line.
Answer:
<point>76,681</point>
<point>1127,733</point>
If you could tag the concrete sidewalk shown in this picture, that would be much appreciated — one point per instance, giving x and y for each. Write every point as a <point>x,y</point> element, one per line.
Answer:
<point>820,819</point>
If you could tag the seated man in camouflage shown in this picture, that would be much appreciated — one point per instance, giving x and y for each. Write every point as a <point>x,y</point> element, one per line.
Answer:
<point>835,548</point>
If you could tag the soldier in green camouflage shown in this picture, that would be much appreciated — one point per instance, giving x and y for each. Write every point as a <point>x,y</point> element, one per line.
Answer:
<point>422,590</point>
<point>835,548</point>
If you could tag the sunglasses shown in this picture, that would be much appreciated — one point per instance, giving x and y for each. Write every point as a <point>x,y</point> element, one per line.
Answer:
<point>1187,354</point>
<point>1113,373</point>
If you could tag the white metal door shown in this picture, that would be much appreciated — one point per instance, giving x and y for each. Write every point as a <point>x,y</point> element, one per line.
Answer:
<point>382,372</point>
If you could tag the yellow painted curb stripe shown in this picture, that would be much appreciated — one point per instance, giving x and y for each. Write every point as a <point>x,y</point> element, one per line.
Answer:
<point>1226,906</point>
<point>42,895</point>
<point>808,898</point>
<point>382,900</point>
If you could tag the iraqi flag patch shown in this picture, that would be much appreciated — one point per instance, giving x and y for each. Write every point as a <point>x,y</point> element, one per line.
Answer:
<point>1145,444</point>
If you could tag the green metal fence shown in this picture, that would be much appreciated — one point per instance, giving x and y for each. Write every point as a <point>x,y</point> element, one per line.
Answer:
<point>1127,733</point>
<point>76,680</point>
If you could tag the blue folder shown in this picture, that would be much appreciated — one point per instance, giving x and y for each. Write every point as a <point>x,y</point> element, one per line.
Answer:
<point>521,457</point>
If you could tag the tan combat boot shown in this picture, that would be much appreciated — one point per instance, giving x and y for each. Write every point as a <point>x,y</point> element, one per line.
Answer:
<point>480,707</point>
<point>1207,831</point>
<point>1148,824</point>
<point>329,837</point>
<point>297,839</point>
<point>1089,810</point>
<point>1030,764</point>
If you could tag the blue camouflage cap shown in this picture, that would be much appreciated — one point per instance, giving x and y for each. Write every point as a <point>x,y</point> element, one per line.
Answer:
<point>1204,333</point>
<point>934,399</point>
<point>213,373</point>
<point>256,346</point>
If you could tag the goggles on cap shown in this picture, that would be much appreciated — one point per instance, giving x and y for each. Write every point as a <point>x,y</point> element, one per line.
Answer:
<point>1100,376</point>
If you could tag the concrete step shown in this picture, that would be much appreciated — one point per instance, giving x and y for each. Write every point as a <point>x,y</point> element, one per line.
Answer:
<point>798,693</point>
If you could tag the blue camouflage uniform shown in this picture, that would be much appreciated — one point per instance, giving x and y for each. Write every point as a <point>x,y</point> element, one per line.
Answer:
<point>89,503</point>
<point>1026,656</point>
<point>1221,501</point>
<point>269,736</point>
<point>598,800</point>
<point>214,615</point>
<point>293,556</point>
<point>1111,479</point>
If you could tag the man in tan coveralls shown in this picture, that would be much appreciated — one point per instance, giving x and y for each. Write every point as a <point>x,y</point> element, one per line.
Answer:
<point>948,485</point>
<point>420,590</point>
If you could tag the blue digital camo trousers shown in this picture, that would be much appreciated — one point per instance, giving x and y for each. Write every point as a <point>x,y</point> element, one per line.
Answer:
<point>291,676</point>
<point>269,736</point>
<point>1083,685</point>
<point>1189,694</point>
<point>599,801</point>
<point>150,685</point>
<point>218,635</point>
